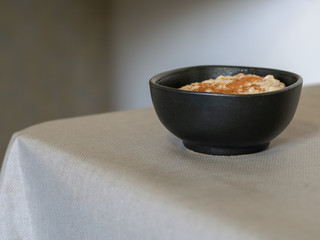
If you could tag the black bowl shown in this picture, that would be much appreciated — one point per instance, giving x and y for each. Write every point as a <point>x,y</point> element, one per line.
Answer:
<point>224,124</point>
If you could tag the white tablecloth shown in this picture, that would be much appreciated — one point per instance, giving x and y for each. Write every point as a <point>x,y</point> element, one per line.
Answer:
<point>122,175</point>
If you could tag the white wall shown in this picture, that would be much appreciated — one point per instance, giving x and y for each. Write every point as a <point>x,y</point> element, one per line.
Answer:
<point>155,36</point>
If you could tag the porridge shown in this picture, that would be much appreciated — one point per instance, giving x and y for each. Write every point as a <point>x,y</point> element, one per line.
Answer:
<point>237,84</point>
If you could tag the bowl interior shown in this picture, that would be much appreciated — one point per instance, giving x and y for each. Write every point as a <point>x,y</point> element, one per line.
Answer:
<point>180,77</point>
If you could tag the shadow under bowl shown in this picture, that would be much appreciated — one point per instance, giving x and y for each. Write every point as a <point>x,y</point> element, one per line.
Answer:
<point>224,124</point>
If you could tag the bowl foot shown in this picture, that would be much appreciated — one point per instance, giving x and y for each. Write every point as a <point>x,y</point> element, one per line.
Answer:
<point>225,150</point>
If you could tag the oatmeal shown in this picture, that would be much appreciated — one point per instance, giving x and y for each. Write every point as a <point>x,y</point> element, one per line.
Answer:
<point>238,84</point>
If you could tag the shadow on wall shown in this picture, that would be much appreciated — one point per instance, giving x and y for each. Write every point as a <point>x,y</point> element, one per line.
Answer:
<point>55,62</point>
<point>59,58</point>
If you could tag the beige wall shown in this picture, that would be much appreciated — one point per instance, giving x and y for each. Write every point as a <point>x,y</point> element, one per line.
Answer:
<point>152,36</point>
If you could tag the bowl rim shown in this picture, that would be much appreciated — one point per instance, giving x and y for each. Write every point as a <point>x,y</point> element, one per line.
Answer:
<point>157,77</point>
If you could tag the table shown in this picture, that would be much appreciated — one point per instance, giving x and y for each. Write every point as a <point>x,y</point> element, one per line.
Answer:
<point>122,175</point>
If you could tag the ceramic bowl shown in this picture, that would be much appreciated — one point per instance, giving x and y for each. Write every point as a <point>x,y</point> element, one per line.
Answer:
<point>224,124</point>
